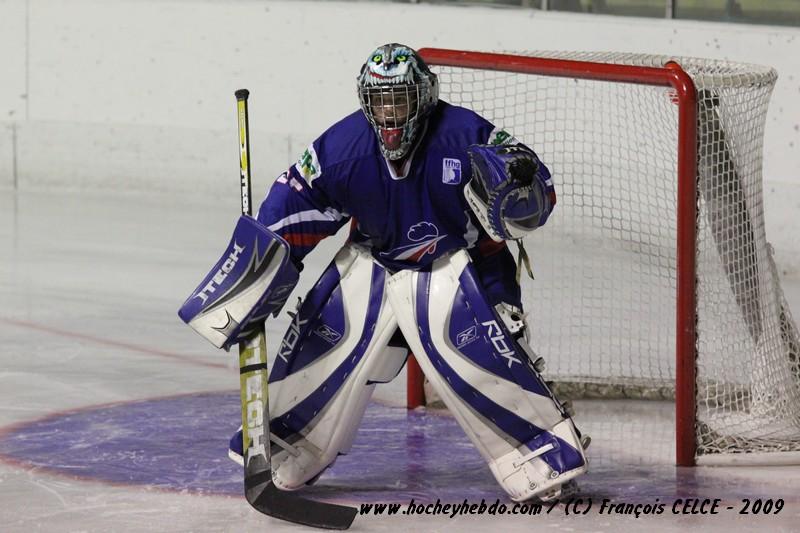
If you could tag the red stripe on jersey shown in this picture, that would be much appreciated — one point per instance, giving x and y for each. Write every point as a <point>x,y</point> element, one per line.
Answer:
<point>427,250</point>
<point>304,239</point>
<point>353,227</point>
<point>487,247</point>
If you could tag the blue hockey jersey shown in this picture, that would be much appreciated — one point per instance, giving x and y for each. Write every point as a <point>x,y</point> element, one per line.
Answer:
<point>407,217</point>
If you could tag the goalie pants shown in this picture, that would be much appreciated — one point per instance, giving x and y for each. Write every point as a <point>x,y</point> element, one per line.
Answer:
<point>337,349</point>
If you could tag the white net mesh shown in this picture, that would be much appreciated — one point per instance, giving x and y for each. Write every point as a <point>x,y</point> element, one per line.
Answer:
<point>602,309</point>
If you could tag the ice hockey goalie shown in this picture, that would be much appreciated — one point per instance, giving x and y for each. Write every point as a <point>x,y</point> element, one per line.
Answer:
<point>432,193</point>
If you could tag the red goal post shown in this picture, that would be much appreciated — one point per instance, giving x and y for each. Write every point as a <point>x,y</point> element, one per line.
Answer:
<point>502,81</point>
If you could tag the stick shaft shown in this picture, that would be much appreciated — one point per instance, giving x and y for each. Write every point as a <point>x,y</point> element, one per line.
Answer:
<point>244,151</point>
<point>253,352</point>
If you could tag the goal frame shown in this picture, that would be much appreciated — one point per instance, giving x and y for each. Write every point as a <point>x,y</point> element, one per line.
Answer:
<point>685,97</point>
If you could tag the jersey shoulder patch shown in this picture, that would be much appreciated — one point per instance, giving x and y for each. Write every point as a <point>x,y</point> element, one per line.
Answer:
<point>500,136</point>
<point>308,165</point>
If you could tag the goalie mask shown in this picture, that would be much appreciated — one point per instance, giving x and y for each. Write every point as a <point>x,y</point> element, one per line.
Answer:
<point>397,92</point>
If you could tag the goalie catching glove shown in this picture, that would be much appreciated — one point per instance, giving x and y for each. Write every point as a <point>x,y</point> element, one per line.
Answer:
<point>510,192</point>
<point>251,280</point>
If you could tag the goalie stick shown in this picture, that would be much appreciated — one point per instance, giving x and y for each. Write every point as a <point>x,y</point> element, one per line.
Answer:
<point>259,490</point>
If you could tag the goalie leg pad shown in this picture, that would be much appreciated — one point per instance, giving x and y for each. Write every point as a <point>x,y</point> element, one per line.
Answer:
<point>327,366</point>
<point>485,378</point>
<point>251,280</point>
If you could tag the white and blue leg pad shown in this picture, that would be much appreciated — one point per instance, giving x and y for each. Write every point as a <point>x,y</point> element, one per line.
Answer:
<point>251,280</point>
<point>326,368</point>
<point>486,380</point>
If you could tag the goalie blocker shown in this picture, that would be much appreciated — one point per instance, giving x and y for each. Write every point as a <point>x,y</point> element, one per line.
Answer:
<point>250,281</point>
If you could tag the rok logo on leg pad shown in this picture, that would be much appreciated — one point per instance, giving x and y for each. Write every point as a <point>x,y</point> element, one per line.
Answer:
<point>292,336</point>
<point>499,342</point>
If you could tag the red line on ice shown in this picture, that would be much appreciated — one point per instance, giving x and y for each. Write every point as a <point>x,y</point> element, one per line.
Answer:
<point>110,342</point>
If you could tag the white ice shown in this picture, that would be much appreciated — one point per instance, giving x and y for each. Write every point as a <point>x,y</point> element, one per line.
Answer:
<point>89,287</point>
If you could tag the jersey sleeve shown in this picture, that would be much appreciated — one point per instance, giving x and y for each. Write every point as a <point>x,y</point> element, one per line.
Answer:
<point>302,213</point>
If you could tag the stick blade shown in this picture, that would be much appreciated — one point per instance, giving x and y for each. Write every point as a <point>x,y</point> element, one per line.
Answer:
<point>287,506</point>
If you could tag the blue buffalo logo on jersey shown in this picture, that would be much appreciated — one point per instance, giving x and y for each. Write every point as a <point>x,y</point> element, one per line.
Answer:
<point>451,171</point>
<point>424,236</point>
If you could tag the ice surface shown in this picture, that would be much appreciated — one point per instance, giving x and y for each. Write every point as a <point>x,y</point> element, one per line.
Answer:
<point>114,416</point>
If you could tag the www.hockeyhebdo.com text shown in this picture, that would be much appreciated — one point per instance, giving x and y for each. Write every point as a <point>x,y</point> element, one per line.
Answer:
<point>579,507</point>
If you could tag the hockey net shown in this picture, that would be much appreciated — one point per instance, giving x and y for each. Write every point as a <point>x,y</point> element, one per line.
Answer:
<point>610,274</point>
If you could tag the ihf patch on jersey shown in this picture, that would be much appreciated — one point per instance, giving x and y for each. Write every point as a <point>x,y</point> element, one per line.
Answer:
<point>451,171</point>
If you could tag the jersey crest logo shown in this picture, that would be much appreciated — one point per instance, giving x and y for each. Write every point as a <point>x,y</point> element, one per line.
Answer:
<point>451,171</point>
<point>424,236</point>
